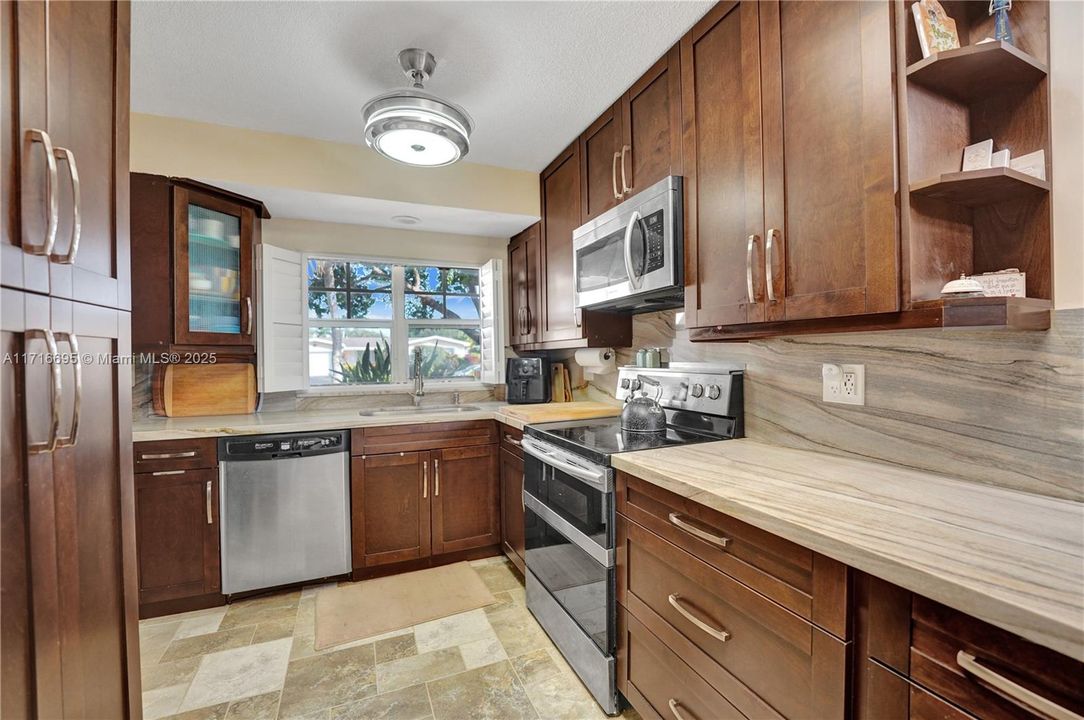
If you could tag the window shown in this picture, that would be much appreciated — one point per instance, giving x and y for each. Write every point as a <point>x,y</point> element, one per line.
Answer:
<point>366,319</point>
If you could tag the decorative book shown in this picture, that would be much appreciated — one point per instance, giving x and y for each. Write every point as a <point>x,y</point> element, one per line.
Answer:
<point>936,30</point>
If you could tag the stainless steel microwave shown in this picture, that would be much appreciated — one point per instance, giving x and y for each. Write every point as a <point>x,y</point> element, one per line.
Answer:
<point>631,257</point>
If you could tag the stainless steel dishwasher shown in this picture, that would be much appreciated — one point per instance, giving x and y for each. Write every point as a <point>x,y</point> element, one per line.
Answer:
<point>285,508</point>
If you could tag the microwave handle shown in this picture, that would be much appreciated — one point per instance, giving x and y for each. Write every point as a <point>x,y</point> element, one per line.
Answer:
<point>634,279</point>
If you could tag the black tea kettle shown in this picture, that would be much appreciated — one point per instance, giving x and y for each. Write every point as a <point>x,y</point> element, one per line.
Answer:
<point>643,414</point>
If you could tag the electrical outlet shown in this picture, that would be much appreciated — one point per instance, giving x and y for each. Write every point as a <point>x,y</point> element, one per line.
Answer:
<point>844,384</point>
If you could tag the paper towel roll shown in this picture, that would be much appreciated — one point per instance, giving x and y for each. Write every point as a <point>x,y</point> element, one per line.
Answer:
<point>596,360</point>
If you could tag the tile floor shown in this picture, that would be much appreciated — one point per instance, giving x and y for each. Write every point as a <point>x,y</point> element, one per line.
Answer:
<point>255,659</point>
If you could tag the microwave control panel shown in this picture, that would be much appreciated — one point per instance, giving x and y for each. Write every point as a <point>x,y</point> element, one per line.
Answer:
<point>654,233</point>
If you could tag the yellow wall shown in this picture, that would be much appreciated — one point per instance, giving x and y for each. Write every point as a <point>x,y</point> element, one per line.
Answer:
<point>1067,143</point>
<point>187,148</point>
<point>311,236</point>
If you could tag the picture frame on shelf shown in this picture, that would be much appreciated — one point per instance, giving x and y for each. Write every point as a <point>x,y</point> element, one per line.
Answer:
<point>1033,164</point>
<point>936,30</point>
<point>1000,159</point>
<point>978,156</point>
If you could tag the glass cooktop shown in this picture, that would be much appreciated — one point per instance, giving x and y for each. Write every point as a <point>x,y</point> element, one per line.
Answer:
<point>598,439</point>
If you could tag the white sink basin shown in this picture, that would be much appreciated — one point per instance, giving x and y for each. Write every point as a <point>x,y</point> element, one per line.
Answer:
<point>421,410</point>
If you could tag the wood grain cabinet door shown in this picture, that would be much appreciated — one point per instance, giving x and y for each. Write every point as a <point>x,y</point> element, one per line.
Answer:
<point>723,164</point>
<point>512,534</point>
<point>523,260</point>
<point>390,508</point>
<point>88,79</point>
<point>560,217</point>
<point>830,217</point>
<point>466,498</point>
<point>178,534</point>
<point>600,156</point>
<point>651,126</point>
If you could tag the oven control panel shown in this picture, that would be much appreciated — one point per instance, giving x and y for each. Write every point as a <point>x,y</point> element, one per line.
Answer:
<point>716,390</point>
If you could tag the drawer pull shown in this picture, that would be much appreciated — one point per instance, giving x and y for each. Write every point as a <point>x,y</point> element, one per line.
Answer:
<point>512,440</point>
<point>720,635</point>
<point>167,456</point>
<point>210,515</point>
<point>674,709</point>
<point>969,664</point>
<point>156,473</point>
<point>703,535</point>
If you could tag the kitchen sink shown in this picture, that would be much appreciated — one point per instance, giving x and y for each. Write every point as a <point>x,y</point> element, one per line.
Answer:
<point>412,410</point>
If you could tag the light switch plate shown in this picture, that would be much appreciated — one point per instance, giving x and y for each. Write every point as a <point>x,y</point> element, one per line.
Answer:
<point>844,384</point>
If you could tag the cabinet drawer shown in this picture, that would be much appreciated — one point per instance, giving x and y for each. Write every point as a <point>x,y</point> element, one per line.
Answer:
<point>972,663</point>
<point>885,695</point>
<point>752,650</point>
<point>510,439</point>
<point>659,684</point>
<point>422,436</point>
<point>811,585</point>
<point>186,454</point>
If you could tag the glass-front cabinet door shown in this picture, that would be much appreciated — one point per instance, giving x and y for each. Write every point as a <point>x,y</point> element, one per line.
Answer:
<point>212,248</point>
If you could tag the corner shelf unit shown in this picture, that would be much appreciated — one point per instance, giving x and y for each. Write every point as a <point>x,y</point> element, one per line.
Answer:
<point>954,222</point>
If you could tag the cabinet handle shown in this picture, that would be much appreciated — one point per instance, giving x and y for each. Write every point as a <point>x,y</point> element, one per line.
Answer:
<point>34,135</point>
<point>712,538</point>
<point>167,472</point>
<point>613,174</point>
<point>77,224</point>
<point>54,372</point>
<point>167,456</point>
<point>210,516</point>
<point>436,477</point>
<point>625,149</point>
<point>248,315</point>
<point>769,270</point>
<point>674,709</point>
<point>425,479</point>
<point>77,402</point>
<point>968,663</point>
<point>512,440</point>
<point>530,319</point>
<point>720,635</point>
<point>749,269</point>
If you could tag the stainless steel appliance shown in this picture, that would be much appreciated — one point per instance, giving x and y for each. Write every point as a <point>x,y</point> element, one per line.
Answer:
<point>527,380</point>
<point>285,503</point>
<point>568,499</point>
<point>631,257</point>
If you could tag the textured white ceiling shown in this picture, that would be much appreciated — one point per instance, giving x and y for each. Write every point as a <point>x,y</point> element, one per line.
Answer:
<point>532,74</point>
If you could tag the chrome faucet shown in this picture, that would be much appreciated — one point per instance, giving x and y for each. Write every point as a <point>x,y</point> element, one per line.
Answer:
<point>455,398</point>
<point>419,381</point>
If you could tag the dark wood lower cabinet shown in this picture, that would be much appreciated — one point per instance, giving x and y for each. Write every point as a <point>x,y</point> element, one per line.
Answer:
<point>177,517</point>
<point>390,511</point>
<point>466,498</point>
<point>512,530</point>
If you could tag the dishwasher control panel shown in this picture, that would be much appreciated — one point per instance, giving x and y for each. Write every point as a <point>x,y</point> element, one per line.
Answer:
<point>265,447</point>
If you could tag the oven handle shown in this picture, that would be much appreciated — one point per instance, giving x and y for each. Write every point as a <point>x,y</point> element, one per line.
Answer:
<point>574,535</point>
<point>595,478</point>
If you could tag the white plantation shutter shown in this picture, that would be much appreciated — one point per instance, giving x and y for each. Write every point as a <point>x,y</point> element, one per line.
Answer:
<point>281,362</point>
<point>491,284</point>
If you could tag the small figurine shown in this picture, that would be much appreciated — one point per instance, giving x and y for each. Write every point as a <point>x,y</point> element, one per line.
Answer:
<point>1000,10</point>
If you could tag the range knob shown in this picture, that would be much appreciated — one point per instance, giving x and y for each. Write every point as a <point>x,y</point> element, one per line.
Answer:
<point>625,383</point>
<point>634,384</point>
<point>697,390</point>
<point>714,391</point>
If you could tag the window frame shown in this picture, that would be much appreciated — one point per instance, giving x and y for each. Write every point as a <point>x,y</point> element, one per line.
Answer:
<point>399,326</point>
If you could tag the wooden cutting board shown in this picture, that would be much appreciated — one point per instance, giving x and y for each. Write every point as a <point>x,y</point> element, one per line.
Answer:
<point>220,389</point>
<point>555,412</point>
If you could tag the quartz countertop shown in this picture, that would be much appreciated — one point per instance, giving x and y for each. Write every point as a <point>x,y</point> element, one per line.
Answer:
<point>1013,559</point>
<point>161,428</point>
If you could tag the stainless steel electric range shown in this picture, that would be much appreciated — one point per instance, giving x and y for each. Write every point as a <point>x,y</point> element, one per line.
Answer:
<point>568,499</point>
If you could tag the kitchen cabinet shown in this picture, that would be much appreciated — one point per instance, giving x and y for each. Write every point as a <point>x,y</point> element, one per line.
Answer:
<point>422,494</point>
<point>525,272</point>
<point>177,533</point>
<point>177,525</point>
<point>512,520</point>
<point>193,247</point>
<point>599,157</point>
<point>69,632</point>
<point>651,126</point>
<point>65,149</point>
<point>466,498</point>
<point>390,509</point>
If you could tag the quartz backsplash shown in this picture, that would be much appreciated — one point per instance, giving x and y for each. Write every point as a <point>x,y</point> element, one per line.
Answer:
<point>993,406</point>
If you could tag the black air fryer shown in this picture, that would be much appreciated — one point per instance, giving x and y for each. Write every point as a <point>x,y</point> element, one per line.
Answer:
<point>528,380</point>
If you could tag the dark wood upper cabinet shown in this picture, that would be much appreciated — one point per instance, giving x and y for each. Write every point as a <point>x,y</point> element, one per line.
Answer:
<point>177,519</point>
<point>560,217</point>
<point>651,126</point>
<point>465,498</point>
<point>599,157</point>
<point>724,167</point>
<point>193,245</point>
<point>389,500</point>
<point>524,262</point>
<point>830,227</point>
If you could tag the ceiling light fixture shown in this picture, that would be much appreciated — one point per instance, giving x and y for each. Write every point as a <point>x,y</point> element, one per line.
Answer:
<point>412,126</point>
